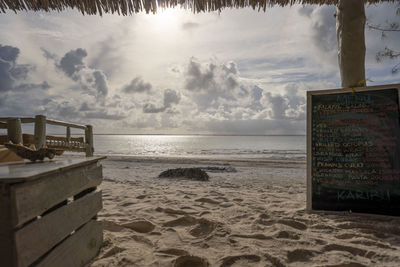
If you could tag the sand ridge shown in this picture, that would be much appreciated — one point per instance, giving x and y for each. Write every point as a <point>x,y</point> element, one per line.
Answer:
<point>253,217</point>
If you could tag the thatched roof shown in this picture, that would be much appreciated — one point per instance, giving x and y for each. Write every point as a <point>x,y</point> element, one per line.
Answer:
<point>127,7</point>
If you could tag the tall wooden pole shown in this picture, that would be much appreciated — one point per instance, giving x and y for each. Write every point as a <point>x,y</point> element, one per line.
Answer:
<point>40,131</point>
<point>89,140</point>
<point>14,131</point>
<point>350,27</point>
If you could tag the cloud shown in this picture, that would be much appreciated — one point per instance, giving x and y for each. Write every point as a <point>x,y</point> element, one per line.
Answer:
<point>137,85</point>
<point>9,53</point>
<point>212,83</point>
<point>323,31</point>
<point>100,82</point>
<point>151,108</point>
<point>72,62</point>
<point>170,97</point>
<point>324,28</point>
<point>93,81</point>
<point>289,105</point>
<point>103,114</point>
<point>13,75</point>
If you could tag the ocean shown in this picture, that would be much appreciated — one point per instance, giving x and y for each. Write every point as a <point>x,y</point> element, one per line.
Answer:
<point>266,147</point>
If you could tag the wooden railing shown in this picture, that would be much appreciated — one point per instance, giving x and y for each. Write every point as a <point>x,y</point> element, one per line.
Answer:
<point>40,139</point>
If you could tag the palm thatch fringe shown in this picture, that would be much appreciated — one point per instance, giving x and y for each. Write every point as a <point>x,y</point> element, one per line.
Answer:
<point>128,7</point>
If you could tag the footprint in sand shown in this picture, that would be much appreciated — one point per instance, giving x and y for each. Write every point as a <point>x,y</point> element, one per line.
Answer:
<point>182,221</point>
<point>353,250</point>
<point>302,255</point>
<point>112,251</point>
<point>351,264</point>
<point>142,239</point>
<point>112,226</point>
<point>141,226</point>
<point>207,200</point>
<point>173,251</point>
<point>204,228</point>
<point>288,235</point>
<point>253,236</point>
<point>192,261</point>
<point>246,259</point>
<point>276,262</point>
<point>293,223</point>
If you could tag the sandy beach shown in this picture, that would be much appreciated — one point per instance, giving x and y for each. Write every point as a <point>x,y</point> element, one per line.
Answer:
<point>250,213</point>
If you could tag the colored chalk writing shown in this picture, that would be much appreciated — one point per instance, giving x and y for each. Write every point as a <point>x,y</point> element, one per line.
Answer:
<point>355,151</point>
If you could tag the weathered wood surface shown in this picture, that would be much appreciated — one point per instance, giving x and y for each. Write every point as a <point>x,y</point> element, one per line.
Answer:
<point>66,124</point>
<point>3,125</point>
<point>40,131</point>
<point>89,141</point>
<point>6,243</point>
<point>14,131</point>
<point>38,237</point>
<point>33,198</point>
<point>4,139</point>
<point>78,249</point>
<point>27,171</point>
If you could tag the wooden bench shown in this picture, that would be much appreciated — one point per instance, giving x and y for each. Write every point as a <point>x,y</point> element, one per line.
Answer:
<point>48,212</point>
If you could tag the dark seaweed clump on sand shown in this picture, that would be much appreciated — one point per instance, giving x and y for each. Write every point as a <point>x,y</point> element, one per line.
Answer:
<point>188,173</point>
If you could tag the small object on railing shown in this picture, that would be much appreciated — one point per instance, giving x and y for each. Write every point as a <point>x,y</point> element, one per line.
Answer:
<point>34,155</point>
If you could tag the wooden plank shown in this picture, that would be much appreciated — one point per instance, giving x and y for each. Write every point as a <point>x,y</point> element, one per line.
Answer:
<point>78,249</point>
<point>3,125</point>
<point>66,124</point>
<point>27,171</point>
<point>14,131</point>
<point>356,89</point>
<point>23,120</point>
<point>89,141</point>
<point>40,131</point>
<point>6,243</point>
<point>28,139</point>
<point>4,139</point>
<point>33,198</point>
<point>309,153</point>
<point>54,227</point>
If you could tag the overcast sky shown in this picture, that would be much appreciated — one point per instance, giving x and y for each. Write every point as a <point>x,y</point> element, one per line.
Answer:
<point>234,72</point>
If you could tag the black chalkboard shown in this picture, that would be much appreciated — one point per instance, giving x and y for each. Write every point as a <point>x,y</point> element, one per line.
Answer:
<point>354,151</point>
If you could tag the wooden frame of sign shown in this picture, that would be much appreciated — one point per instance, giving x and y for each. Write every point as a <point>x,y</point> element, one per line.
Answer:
<point>353,150</point>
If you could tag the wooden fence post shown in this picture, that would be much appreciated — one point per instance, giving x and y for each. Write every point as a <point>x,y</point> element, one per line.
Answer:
<point>89,140</point>
<point>68,135</point>
<point>14,131</point>
<point>40,131</point>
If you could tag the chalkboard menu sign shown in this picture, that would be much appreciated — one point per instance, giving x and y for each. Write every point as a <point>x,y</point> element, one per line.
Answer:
<point>353,150</point>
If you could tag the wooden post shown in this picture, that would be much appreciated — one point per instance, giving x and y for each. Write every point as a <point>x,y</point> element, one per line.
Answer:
<point>40,131</point>
<point>68,135</point>
<point>89,140</point>
<point>14,130</point>
<point>350,26</point>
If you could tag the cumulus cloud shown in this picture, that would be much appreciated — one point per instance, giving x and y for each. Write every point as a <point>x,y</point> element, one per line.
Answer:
<point>93,81</point>
<point>13,75</point>
<point>137,85</point>
<point>212,83</point>
<point>323,30</point>
<point>170,97</point>
<point>288,105</point>
<point>72,62</point>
